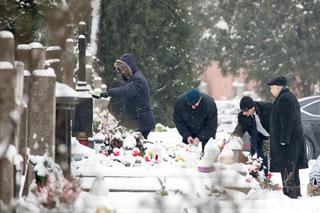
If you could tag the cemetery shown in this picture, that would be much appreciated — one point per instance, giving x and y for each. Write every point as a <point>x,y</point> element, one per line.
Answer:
<point>62,151</point>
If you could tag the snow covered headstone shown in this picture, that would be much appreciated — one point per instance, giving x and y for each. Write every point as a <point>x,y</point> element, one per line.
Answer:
<point>7,46</point>
<point>7,88</point>
<point>41,112</point>
<point>37,56</point>
<point>212,150</point>
<point>99,187</point>
<point>226,156</point>
<point>68,63</point>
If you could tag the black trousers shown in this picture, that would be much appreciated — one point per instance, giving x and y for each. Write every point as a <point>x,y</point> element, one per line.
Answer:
<point>145,134</point>
<point>262,155</point>
<point>257,141</point>
<point>291,183</point>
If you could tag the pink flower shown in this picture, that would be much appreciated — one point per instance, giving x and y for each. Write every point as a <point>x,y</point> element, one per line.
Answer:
<point>135,152</point>
<point>116,151</point>
<point>147,158</point>
<point>269,175</point>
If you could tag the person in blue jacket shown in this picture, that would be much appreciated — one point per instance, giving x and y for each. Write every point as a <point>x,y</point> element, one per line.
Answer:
<point>135,93</point>
<point>195,116</point>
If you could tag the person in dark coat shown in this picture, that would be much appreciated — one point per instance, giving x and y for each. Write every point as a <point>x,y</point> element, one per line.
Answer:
<point>254,118</point>
<point>195,117</point>
<point>135,93</point>
<point>287,151</point>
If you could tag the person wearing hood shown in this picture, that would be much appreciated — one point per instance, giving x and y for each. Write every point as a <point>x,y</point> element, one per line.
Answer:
<point>287,144</point>
<point>254,118</point>
<point>195,117</point>
<point>135,93</point>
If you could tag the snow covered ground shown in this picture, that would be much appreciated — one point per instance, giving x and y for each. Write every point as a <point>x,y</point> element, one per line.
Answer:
<point>174,189</point>
<point>192,198</point>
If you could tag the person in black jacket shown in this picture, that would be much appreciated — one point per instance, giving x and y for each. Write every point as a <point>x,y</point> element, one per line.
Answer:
<point>135,93</point>
<point>254,118</point>
<point>195,117</point>
<point>287,151</point>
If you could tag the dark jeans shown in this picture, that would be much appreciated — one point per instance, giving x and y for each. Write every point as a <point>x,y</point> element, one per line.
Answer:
<point>291,183</point>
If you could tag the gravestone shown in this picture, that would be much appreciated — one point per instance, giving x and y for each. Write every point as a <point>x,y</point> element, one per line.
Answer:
<point>7,46</point>
<point>66,98</point>
<point>56,65</point>
<point>7,105</point>
<point>41,112</point>
<point>53,52</point>
<point>19,95</point>
<point>104,87</point>
<point>89,74</point>
<point>82,58</point>
<point>23,142</point>
<point>97,82</point>
<point>69,31</point>
<point>24,54</point>
<point>68,63</point>
<point>82,28</point>
<point>37,56</point>
<point>82,123</point>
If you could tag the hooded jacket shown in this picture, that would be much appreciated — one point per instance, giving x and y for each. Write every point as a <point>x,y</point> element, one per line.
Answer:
<point>136,96</point>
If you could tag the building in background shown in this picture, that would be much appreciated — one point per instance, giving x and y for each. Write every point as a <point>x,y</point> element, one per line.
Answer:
<point>225,87</point>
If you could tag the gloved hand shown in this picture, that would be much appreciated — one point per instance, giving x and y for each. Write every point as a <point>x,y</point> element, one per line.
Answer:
<point>283,144</point>
<point>96,93</point>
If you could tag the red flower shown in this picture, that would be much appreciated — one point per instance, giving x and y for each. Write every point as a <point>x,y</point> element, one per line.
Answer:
<point>269,175</point>
<point>147,158</point>
<point>135,152</point>
<point>116,152</point>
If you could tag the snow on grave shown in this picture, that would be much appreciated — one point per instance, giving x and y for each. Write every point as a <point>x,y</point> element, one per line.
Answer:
<point>162,153</point>
<point>169,162</point>
<point>78,151</point>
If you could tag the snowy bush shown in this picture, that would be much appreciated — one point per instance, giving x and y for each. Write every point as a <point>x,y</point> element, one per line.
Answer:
<point>50,189</point>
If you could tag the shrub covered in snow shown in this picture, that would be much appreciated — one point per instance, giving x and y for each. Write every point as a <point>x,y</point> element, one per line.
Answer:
<point>51,189</point>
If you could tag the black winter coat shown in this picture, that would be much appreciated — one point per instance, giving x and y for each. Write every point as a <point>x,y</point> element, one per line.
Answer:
<point>200,122</point>
<point>286,127</point>
<point>136,96</point>
<point>263,110</point>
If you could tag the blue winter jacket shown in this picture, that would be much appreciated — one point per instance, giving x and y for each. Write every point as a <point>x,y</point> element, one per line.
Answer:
<point>136,96</point>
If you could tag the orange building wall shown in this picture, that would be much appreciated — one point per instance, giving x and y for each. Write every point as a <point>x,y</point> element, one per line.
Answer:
<point>219,86</point>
